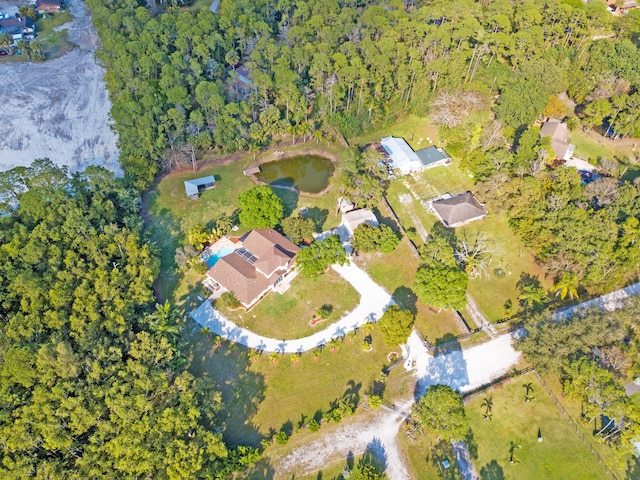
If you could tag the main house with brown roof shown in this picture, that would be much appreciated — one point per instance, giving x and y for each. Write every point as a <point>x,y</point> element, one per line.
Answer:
<point>261,260</point>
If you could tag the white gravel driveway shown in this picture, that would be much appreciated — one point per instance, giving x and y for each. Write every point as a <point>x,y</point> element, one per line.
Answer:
<point>373,302</point>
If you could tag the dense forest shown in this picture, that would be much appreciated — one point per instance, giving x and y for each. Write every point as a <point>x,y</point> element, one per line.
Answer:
<point>483,71</point>
<point>93,380</point>
<point>322,67</point>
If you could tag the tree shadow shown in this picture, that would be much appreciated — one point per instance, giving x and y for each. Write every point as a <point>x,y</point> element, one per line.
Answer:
<point>492,471</point>
<point>376,455</point>
<point>261,470</point>
<point>407,300</point>
<point>289,200</point>
<point>528,280</point>
<point>443,457</point>
<point>287,427</point>
<point>439,230</point>
<point>447,367</point>
<point>388,221</point>
<point>318,216</point>
<point>227,365</point>
<point>633,468</point>
<point>352,393</point>
<point>472,445</point>
<point>166,233</point>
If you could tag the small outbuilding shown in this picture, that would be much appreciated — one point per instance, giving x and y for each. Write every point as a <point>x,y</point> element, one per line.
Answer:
<point>345,205</point>
<point>195,186</point>
<point>353,219</point>
<point>458,210</point>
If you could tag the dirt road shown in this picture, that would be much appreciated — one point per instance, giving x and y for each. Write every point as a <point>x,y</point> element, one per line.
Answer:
<point>59,108</point>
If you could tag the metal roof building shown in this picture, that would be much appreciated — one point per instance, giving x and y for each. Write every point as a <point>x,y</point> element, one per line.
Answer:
<point>195,186</point>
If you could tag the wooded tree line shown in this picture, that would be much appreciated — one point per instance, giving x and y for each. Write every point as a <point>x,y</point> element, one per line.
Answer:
<point>93,381</point>
<point>318,67</point>
<point>594,353</point>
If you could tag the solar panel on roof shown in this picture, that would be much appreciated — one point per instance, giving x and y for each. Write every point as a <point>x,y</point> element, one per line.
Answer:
<point>247,255</point>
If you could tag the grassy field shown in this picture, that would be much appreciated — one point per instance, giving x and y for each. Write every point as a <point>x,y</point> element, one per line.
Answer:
<point>514,429</point>
<point>588,147</point>
<point>619,466</point>
<point>261,397</point>
<point>415,130</point>
<point>172,214</point>
<point>54,44</point>
<point>288,315</point>
<point>509,254</point>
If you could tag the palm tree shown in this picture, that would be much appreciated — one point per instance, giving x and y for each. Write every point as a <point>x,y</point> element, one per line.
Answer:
<point>334,344</point>
<point>254,355</point>
<point>163,320</point>
<point>295,358</point>
<point>532,295</point>
<point>567,285</point>
<point>487,404</point>
<point>528,393</point>
<point>273,356</point>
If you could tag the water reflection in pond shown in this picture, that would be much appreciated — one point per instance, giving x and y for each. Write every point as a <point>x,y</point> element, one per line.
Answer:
<point>307,173</point>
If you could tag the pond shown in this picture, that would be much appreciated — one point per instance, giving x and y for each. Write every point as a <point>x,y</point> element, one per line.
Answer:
<point>307,173</point>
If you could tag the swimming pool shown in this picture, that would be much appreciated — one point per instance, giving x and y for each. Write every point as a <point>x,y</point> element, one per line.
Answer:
<point>213,258</point>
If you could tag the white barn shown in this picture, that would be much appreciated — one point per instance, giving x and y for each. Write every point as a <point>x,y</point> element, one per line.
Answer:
<point>406,160</point>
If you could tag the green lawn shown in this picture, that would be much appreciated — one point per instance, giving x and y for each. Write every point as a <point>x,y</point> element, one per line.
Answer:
<point>415,130</point>
<point>172,214</point>
<point>395,272</point>
<point>288,315</point>
<point>573,408</point>
<point>561,454</point>
<point>54,44</point>
<point>509,254</point>
<point>261,396</point>
<point>588,147</point>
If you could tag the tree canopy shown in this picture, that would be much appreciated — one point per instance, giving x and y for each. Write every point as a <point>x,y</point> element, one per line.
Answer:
<point>298,228</point>
<point>261,207</point>
<point>174,81</point>
<point>93,381</point>
<point>440,412</point>
<point>396,325</point>
<point>370,239</point>
<point>315,258</point>
<point>439,281</point>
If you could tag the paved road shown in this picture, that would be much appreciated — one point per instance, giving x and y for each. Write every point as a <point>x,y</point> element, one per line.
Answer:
<point>609,302</point>
<point>373,302</point>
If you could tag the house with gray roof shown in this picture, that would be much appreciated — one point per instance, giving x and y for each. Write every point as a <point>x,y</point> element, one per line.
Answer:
<point>559,134</point>
<point>194,186</point>
<point>406,160</point>
<point>458,210</point>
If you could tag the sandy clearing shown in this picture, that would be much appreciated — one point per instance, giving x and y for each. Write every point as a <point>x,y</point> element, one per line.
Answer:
<point>463,370</point>
<point>59,108</point>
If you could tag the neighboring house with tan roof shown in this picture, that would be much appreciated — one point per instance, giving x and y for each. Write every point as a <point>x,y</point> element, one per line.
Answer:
<point>559,134</point>
<point>354,218</point>
<point>260,262</point>
<point>459,210</point>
